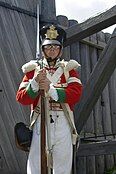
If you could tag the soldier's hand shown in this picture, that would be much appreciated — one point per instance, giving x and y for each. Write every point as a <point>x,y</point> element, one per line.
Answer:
<point>44,84</point>
<point>41,76</point>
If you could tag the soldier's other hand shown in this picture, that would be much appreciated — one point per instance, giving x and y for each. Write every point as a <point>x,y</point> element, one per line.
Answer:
<point>44,84</point>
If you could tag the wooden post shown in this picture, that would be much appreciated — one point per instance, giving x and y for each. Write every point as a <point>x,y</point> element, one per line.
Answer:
<point>47,12</point>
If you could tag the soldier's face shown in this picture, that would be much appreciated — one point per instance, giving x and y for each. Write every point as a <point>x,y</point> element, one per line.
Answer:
<point>52,50</point>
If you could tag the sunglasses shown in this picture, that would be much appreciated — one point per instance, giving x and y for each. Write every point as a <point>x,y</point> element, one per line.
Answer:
<point>48,47</point>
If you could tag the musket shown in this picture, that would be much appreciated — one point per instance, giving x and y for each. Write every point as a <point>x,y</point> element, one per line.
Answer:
<point>44,169</point>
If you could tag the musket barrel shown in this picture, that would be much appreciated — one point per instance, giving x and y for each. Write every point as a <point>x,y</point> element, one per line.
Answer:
<point>44,169</point>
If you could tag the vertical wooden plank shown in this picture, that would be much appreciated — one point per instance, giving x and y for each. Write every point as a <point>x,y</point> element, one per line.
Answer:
<point>9,59</point>
<point>90,162</point>
<point>9,86</point>
<point>30,32</point>
<point>98,119</point>
<point>91,168</point>
<point>93,60</point>
<point>93,38</point>
<point>48,11</point>
<point>105,100</point>
<point>20,4</point>
<point>8,119</point>
<point>22,37</point>
<point>63,22</point>
<point>75,54</point>
<point>106,113</point>
<point>5,141</point>
<point>112,95</point>
<point>3,164</point>
<point>3,0</point>
<point>74,48</point>
<point>109,162</point>
<point>32,5</point>
<point>107,37</point>
<point>97,109</point>
<point>81,165</point>
<point>6,38</point>
<point>14,57</point>
<point>86,71</point>
<point>100,166</point>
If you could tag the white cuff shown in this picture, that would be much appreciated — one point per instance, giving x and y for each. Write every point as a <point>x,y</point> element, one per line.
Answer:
<point>34,85</point>
<point>53,92</point>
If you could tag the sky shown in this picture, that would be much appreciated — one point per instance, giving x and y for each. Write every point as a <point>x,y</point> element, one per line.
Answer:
<point>81,10</point>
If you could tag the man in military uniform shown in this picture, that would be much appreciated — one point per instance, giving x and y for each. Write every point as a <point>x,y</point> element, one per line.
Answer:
<point>63,88</point>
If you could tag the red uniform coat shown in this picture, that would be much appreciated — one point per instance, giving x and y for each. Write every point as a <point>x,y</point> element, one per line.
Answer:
<point>68,94</point>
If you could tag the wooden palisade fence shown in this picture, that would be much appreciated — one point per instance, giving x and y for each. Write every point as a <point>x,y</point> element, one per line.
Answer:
<point>95,115</point>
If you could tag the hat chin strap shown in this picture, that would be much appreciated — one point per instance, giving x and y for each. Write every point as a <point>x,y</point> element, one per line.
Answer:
<point>51,61</point>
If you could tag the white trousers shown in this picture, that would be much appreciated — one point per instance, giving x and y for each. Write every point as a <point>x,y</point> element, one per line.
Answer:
<point>61,146</point>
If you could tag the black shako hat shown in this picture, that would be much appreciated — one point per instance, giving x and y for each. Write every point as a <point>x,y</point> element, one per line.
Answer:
<point>52,34</point>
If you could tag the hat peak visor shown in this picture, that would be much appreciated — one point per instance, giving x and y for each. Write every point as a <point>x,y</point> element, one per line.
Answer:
<point>49,42</point>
